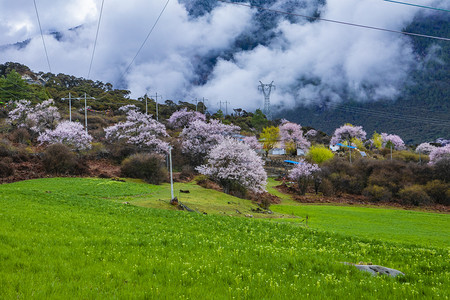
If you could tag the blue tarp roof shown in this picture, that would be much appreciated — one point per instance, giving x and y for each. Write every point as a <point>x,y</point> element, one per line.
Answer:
<point>342,145</point>
<point>291,162</point>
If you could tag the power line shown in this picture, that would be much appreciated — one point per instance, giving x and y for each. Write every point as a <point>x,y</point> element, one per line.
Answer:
<point>337,22</point>
<point>416,5</point>
<point>42,35</point>
<point>145,40</point>
<point>390,115</point>
<point>96,37</point>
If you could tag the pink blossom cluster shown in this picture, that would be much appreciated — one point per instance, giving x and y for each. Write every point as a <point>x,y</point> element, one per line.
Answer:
<point>252,142</point>
<point>140,130</point>
<point>200,137</point>
<point>292,133</point>
<point>69,133</point>
<point>232,161</point>
<point>304,170</point>
<point>18,116</point>
<point>128,107</point>
<point>347,132</point>
<point>38,118</point>
<point>182,118</point>
<point>425,148</point>
<point>394,140</point>
<point>439,153</point>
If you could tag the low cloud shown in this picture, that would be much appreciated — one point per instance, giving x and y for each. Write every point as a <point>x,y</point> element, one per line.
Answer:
<point>194,56</point>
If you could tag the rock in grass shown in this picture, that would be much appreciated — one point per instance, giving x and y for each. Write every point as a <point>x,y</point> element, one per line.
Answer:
<point>375,270</point>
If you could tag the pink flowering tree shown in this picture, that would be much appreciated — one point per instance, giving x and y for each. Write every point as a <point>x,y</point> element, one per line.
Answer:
<point>18,116</point>
<point>303,174</point>
<point>347,132</point>
<point>69,133</point>
<point>139,130</point>
<point>234,165</point>
<point>44,116</point>
<point>200,137</point>
<point>291,135</point>
<point>182,118</point>
<point>38,118</point>
<point>425,148</point>
<point>439,153</point>
<point>393,140</point>
<point>252,142</point>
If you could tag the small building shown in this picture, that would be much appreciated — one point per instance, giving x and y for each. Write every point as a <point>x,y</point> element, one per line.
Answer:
<point>277,151</point>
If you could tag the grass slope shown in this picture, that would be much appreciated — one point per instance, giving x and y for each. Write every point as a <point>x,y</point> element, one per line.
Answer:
<point>70,238</point>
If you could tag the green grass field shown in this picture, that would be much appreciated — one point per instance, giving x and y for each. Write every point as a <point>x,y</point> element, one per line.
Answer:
<point>74,238</point>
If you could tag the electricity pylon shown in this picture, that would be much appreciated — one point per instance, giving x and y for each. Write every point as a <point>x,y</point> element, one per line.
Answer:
<point>266,89</point>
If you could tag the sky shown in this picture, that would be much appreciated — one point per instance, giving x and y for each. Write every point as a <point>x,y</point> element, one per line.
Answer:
<point>188,57</point>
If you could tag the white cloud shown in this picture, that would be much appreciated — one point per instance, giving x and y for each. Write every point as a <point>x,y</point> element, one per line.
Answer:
<point>308,62</point>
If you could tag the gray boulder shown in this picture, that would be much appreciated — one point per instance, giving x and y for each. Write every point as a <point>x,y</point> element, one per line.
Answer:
<point>375,270</point>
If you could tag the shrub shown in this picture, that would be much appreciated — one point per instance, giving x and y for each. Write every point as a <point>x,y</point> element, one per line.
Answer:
<point>6,168</point>
<point>5,148</point>
<point>319,154</point>
<point>439,191</point>
<point>442,169</point>
<point>59,159</point>
<point>414,195</point>
<point>408,156</point>
<point>377,193</point>
<point>20,135</point>
<point>149,167</point>
<point>326,187</point>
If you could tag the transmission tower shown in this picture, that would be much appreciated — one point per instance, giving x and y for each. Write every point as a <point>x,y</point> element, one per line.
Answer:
<point>266,89</point>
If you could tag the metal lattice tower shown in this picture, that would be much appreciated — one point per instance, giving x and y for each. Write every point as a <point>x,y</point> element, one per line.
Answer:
<point>266,89</point>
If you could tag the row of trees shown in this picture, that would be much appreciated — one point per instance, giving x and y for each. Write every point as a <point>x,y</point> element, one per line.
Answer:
<point>212,147</point>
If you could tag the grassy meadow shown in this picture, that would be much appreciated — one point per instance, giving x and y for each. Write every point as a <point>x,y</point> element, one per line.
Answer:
<point>75,238</point>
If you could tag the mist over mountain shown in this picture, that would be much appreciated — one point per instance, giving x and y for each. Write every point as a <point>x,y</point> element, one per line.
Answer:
<point>219,51</point>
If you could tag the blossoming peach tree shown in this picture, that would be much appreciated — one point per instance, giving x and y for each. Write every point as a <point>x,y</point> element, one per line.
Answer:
<point>232,163</point>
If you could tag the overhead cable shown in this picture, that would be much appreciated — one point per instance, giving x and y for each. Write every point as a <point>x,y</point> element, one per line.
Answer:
<point>336,22</point>
<point>96,37</point>
<point>42,35</point>
<point>145,40</point>
<point>416,5</point>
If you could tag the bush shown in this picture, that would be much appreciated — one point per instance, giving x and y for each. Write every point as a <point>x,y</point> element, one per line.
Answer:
<point>149,167</point>
<point>319,154</point>
<point>6,148</point>
<point>20,135</point>
<point>6,168</point>
<point>408,156</point>
<point>326,187</point>
<point>439,191</point>
<point>59,159</point>
<point>442,169</point>
<point>415,195</point>
<point>377,193</point>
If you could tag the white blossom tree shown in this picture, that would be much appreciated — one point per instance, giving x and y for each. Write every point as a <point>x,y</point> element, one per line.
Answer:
<point>291,135</point>
<point>252,142</point>
<point>182,118</point>
<point>439,153</point>
<point>38,118</point>
<point>139,130</point>
<point>392,140</point>
<point>348,132</point>
<point>69,133</point>
<point>425,148</point>
<point>233,163</point>
<point>303,173</point>
<point>200,137</point>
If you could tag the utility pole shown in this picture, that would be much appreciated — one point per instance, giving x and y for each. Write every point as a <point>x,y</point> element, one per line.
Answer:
<point>266,89</point>
<point>156,97</point>
<point>146,104</point>
<point>204,106</point>
<point>70,107</point>
<point>171,177</point>
<point>85,108</point>
<point>226,106</point>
